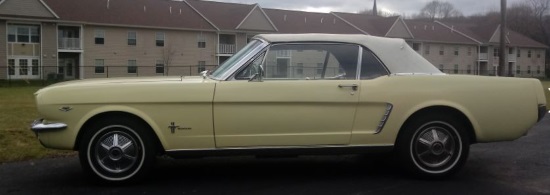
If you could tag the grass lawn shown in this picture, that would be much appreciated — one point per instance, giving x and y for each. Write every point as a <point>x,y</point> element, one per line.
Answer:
<point>17,111</point>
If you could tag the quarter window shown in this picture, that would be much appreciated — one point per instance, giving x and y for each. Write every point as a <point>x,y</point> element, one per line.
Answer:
<point>371,67</point>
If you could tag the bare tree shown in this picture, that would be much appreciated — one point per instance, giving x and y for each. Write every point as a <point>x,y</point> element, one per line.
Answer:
<point>439,10</point>
<point>167,56</point>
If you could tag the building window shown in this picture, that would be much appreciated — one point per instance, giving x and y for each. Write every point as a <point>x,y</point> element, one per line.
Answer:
<point>23,34</point>
<point>469,51</point>
<point>159,67</point>
<point>319,68</point>
<point>528,69</point>
<point>456,69</point>
<point>159,39</point>
<point>23,67</point>
<point>538,69</point>
<point>132,66</point>
<point>442,50</point>
<point>201,41</point>
<point>300,68</point>
<point>132,38</point>
<point>469,70</point>
<point>519,53</point>
<point>34,69</point>
<point>11,66</point>
<point>99,37</point>
<point>529,53</point>
<point>518,69</point>
<point>416,46</point>
<point>202,66</point>
<point>496,52</point>
<point>442,67</point>
<point>538,54</point>
<point>427,49</point>
<point>456,51</point>
<point>99,66</point>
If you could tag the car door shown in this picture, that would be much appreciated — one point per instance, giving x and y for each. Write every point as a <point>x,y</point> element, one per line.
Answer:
<point>298,95</point>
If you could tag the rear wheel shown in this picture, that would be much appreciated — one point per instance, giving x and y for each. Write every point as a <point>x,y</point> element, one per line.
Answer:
<point>117,151</point>
<point>434,146</point>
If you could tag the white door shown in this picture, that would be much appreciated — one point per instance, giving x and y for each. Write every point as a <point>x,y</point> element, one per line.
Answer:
<point>23,68</point>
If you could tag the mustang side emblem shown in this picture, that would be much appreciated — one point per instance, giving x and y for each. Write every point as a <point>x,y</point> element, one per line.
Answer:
<point>65,109</point>
<point>173,127</point>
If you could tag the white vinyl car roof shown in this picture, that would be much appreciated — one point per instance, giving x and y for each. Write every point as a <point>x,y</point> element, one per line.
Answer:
<point>395,53</point>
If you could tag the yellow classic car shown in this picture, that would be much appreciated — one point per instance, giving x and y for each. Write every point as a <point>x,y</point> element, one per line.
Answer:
<point>292,94</point>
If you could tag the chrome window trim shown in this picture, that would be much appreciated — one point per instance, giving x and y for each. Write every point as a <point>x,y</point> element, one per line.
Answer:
<point>359,63</point>
<point>231,71</point>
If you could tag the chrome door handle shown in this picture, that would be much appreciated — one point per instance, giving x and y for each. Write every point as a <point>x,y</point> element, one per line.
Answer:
<point>352,86</point>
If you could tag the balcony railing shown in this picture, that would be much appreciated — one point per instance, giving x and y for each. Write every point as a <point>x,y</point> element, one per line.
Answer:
<point>69,43</point>
<point>483,56</point>
<point>227,48</point>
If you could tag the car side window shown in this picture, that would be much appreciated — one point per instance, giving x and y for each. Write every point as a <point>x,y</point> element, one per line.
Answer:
<point>308,61</point>
<point>252,69</point>
<point>371,67</point>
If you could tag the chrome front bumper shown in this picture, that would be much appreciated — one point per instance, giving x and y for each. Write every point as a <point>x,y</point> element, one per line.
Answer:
<point>39,125</point>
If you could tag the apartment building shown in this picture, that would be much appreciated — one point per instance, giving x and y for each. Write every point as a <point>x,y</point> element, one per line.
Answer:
<point>81,39</point>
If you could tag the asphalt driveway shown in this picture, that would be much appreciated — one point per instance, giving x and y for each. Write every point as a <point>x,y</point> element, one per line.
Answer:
<point>517,167</point>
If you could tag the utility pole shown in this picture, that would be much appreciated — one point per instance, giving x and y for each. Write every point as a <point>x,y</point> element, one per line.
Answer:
<point>502,57</point>
<point>374,9</point>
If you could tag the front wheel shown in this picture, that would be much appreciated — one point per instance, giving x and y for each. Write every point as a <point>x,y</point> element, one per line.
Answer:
<point>117,151</point>
<point>433,146</point>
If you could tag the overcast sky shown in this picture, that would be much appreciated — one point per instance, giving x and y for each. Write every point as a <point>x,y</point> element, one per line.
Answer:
<point>402,7</point>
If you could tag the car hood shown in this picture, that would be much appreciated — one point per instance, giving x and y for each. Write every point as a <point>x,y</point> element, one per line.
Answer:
<point>128,80</point>
<point>127,90</point>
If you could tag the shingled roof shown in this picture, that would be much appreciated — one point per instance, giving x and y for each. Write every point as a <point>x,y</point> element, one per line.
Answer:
<point>485,32</point>
<point>373,25</point>
<point>147,13</point>
<point>435,32</point>
<point>288,21</point>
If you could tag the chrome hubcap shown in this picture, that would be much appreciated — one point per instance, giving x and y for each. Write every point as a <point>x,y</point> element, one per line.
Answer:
<point>434,147</point>
<point>116,152</point>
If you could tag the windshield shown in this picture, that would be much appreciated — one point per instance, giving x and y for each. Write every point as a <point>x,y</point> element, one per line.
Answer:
<point>239,58</point>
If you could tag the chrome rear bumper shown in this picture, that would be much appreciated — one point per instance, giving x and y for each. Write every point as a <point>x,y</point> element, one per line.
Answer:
<point>40,126</point>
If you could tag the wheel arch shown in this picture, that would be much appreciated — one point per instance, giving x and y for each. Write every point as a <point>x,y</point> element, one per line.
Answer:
<point>442,109</point>
<point>108,113</point>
